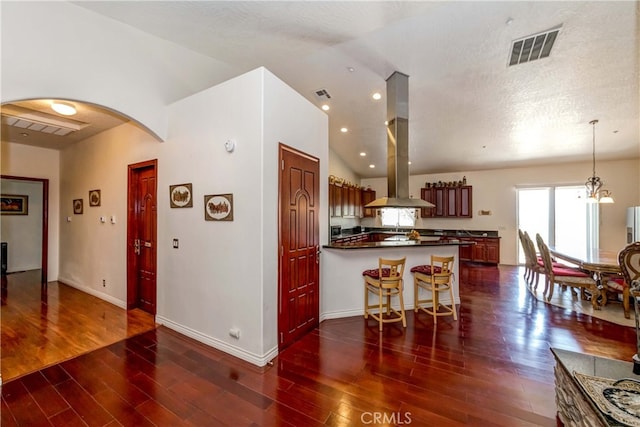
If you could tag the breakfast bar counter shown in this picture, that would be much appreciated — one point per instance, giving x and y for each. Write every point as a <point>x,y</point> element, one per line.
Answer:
<point>342,290</point>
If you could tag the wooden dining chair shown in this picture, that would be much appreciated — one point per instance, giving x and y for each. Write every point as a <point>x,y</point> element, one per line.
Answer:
<point>385,281</point>
<point>629,261</point>
<point>528,273</point>
<point>565,275</point>
<point>434,278</point>
<point>536,265</point>
<point>616,284</point>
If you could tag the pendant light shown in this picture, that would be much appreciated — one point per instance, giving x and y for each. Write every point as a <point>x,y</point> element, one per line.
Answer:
<point>594,183</point>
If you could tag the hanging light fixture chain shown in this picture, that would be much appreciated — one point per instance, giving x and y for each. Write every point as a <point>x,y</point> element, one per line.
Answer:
<point>593,122</point>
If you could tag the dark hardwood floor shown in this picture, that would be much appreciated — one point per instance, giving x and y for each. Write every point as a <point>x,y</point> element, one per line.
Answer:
<point>41,326</point>
<point>491,367</point>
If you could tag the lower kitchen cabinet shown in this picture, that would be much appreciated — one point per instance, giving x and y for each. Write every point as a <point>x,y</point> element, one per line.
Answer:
<point>486,250</point>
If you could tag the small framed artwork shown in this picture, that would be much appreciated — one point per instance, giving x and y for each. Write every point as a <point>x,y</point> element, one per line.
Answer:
<point>14,204</point>
<point>180,196</point>
<point>94,198</point>
<point>77,206</point>
<point>218,207</point>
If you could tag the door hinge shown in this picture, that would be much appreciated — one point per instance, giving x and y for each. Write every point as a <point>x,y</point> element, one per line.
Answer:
<point>281,338</point>
<point>282,164</point>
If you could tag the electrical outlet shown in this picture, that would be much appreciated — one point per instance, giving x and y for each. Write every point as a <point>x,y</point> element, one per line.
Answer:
<point>104,283</point>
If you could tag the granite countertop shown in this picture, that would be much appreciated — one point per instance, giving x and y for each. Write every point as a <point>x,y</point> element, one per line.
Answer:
<point>423,232</point>
<point>395,243</point>
<point>594,365</point>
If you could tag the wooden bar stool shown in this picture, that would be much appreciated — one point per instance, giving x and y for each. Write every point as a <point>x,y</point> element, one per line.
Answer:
<point>434,278</point>
<point>385,281</point>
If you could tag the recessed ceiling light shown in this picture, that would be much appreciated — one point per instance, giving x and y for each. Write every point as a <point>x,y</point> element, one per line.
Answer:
<point>325,107</point>
<point>386,123</point>
<point>372,166</point>
<point>351,69</point>
<point>376,96</point>
<point>64,108</point>
<point>362,154</point>
<point>24,134</point>
<point>344,130</point>
<point>409,162</point>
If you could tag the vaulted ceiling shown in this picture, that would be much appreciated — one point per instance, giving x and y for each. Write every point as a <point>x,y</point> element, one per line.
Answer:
<point>468,108</point>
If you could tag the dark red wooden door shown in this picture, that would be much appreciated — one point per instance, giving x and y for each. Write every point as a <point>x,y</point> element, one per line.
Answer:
<point>141,237</point>
<point>298,305</point>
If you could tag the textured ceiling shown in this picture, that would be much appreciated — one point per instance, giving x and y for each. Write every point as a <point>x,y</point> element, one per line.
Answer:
<point>468,110</point>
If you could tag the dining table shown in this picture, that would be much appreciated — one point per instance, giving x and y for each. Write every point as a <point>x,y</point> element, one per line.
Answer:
<point>595,261</point>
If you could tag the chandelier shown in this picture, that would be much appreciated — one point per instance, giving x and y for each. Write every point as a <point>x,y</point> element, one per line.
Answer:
<point>595,194</point>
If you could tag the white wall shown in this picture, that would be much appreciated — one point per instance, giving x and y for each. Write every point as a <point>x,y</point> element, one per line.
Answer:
<point>23,233</point>
<point>213,282</point>
<point>31,162</point>
<point>57,49</point>
<point>292,120</point>
<point>495,190</point>
<point>224,274</point>
<point>92,251</point>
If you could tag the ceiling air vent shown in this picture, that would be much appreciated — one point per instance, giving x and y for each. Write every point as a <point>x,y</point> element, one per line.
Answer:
<point>322,94</point>
<point>533,47</point>
<point>41,122</point>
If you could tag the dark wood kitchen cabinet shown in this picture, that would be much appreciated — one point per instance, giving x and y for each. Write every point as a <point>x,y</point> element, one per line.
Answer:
<point>358,203</point>
<point>335,200</point>
<point>450,202</point>
<point>485,250</point>
<point>347,206</point>
<point>368,196</point>
<point>348,200</point>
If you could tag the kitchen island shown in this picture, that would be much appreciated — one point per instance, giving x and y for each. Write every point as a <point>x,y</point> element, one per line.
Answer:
<point>342,292</point>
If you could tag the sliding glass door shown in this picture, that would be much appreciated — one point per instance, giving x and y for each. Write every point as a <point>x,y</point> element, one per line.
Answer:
<point>560,214</point>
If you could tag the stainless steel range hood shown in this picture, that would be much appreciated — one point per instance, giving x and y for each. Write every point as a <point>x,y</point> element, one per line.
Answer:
<point>398,147</point>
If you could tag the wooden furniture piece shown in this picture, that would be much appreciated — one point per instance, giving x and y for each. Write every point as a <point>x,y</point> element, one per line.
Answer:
<point>575,406</point>
<point>565,276</point>
<point>385,281</point>
<point>535,260</point>
<point>434,278</point>
<point>629,262</point>
<point>533,265</point>
<point>604,266</point>
<point>449,201</point>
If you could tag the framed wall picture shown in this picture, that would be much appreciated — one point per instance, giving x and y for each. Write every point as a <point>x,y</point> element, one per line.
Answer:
<point>94,198</point>
<point>218,207</point>
<point>14,204</point>
<point>77,206</point>
<point>180,196</point>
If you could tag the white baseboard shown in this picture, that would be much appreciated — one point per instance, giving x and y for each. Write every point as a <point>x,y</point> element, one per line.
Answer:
<point>259,360</point>
<point>95,293</point>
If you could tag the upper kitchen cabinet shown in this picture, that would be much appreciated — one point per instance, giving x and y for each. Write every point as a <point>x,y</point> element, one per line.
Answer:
<point>335,200</point>
<point>347,200</point>
<point>449,201</point>
<point>368,196</point>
